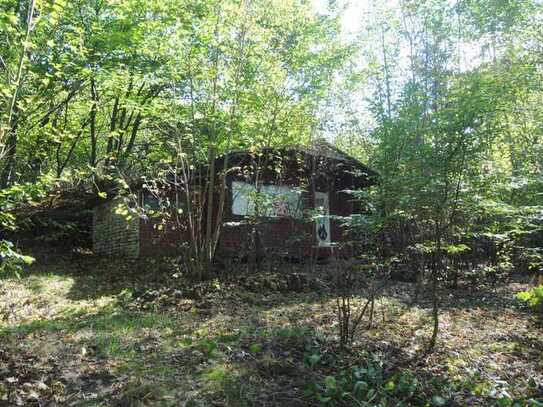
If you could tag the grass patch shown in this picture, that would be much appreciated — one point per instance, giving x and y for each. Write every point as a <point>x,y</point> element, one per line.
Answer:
<point>76,336</point>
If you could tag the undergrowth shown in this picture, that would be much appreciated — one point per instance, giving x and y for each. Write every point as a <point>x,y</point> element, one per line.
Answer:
<point>99,334</point>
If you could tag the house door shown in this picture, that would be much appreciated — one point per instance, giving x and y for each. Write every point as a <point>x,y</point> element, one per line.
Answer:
<point>322,224</point>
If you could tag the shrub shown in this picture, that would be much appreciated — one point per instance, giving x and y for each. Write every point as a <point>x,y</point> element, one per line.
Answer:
<point>11,260</point>
<point>533,297</point>
<point>369,385</point>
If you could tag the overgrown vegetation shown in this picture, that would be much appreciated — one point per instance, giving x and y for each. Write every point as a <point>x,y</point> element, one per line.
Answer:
<point>76,331</point>
<point>533,297</point>
<point>442,98</point>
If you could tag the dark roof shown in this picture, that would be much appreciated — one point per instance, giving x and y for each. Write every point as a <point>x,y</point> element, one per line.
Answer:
<point>322,148</point>
<point>333,158</point>
<point>319,148</point>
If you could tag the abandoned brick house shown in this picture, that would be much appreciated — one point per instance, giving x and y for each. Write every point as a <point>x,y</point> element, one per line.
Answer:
<point>290,183</point>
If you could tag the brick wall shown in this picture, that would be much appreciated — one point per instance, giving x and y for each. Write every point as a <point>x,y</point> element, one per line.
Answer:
<point>159,238</point>
<point>284,236</point>
<point>113,234</point>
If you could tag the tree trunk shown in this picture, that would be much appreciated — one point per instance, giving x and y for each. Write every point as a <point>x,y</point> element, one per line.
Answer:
<point>93,112</point>
<point>11,107</point>
<point>10,152</point>
<point>419,282</point>
<point>436,269</point>
<point>209,241</point>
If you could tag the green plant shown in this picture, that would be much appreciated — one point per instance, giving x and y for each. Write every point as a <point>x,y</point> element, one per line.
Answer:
<point>369,385</point>
<point>533,297</point>
<point>11,260</point>
<point>207,346</point>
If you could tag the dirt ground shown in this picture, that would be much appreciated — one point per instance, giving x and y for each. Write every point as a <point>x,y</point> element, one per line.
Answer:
<point>87,332</point>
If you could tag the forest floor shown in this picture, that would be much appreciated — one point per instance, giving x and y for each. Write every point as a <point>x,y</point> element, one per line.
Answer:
<point>88,332</point>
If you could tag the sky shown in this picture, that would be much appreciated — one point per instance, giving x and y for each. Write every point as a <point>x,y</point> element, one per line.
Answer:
<point>352,14</point>
<point>355,14</point>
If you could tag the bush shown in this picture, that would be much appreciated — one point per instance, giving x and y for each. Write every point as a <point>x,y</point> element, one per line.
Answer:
<point>10,260</point>
<point>533,297</point>
<point>372,384</point>
<point>369,385</point>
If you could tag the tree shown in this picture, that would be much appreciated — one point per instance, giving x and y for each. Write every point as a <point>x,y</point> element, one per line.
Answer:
<point>441,130</point>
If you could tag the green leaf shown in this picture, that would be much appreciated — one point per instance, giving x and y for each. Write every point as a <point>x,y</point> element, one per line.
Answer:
<point>314,359</point>
<point>207,345</point>
<point>438,401</point>
<point>255,348</point>
<point>330,383</point>
<point>28,259</point>
<point>390,385</point>
<point>186,341</point>
<point>360,387</point>
<point>323,399</point>
<point>505,401</point>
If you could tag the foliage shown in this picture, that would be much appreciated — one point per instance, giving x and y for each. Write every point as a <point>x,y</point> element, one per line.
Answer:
<point>455,138</point>
<point>533,297</point>
<point>369,385</point>
<point>12,199</point>
<point>70,331</point>
<point>443,98</point>
<point>115,83</point>
<point>111,92</point>
<point>11,260</point>
<point>124,89</point>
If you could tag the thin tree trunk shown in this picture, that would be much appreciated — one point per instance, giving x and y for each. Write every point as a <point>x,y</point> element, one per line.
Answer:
<point>419,282</point>
<point>209,215</point>
<point>212,155</point>
<point>387,75</point>
<point>233,111</point>
<point>11,105</point>
<point>10,152</point>
<point>133,134</point>
<point>436,269</point>
<point>93,112</point>
<point>62,166</point>
<point>112,127</point>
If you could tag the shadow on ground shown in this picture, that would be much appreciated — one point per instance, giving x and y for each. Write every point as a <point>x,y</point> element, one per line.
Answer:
<point>81,341</point>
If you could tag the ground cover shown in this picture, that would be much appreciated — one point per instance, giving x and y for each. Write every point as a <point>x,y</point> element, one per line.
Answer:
<point>84,332</point>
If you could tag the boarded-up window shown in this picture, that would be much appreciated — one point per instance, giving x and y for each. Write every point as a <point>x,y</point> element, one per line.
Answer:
<point>273,200</point>
<point>282,200</point>
<point>243,198</point>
